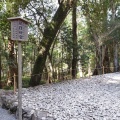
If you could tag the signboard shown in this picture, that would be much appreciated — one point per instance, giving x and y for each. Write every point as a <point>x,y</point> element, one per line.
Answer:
<point>19,32</point>
<point>19,29</point>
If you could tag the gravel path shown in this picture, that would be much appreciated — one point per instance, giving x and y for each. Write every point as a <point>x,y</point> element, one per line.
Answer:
<point>4,115</point>
<point>97,98</point>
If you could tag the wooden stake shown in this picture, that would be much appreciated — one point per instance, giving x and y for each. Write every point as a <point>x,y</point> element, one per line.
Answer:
<point>20,80</point>
<point>14,83</point>
<point>103,70</point>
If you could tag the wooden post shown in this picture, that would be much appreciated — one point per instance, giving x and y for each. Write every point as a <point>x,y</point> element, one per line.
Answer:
<point>103,70</point>
<point>19,32</point>
<point>20,80</point>
<point>14,83</point>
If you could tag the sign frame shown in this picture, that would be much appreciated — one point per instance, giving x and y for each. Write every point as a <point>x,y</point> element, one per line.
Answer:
<point>19,28</point>
<point>15,32</point>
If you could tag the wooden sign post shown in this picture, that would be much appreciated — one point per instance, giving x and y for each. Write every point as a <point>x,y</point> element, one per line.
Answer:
<point>19,32</point>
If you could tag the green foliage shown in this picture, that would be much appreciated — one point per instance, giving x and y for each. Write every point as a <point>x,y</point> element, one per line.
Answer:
<point>8,87</point>
<point>25,82</point>
<point>93,17</point>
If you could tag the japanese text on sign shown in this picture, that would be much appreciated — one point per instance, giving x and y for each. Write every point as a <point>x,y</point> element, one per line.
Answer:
<point>19,30</point>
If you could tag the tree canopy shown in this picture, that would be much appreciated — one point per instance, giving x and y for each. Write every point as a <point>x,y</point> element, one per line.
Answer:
<point>67,38</point>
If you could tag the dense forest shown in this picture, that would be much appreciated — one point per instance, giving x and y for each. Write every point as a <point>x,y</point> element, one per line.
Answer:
<point>67,39</point>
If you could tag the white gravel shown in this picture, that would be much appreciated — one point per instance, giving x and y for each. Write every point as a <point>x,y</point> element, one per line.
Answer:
<point>96,98</point>
<point>5,115</point>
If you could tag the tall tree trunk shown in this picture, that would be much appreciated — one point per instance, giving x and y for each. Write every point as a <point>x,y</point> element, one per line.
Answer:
<point>99,60</point>
<point>0,65</point>
<point>98,69</point>
<point>102,61</point>
<point>115,46</point>
<point>116,63</point>
<point>48,38</point>
<point>80,69</point>
<point>74,32</point>
<point>89,68</point>
<point>49,69</point>
<point>13,69</point>
<point>111,52</point>
<point>106,60</point>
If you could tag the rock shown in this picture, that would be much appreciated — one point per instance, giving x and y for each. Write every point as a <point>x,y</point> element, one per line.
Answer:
<point>1,93</point>
<point>39,115</point>
<point>26,114</point>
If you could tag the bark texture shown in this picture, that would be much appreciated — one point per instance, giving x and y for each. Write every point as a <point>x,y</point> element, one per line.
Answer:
<point>74,32</point>
<point>48,38</point>
<point>13,68</point>
<point>0,66</point>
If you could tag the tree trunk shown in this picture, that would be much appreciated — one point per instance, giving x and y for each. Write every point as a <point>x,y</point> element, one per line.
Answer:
<point>13,69</point>
<point>89,68</point>
<point>0,65</point>
<point>48,38</point>
<point>115,43</point>
<point>116,64</point>
<point>49,69</point>
<point>111,52</point>
<point>80,69</point>
<point>74,32</point>
<point>106,60</point>
<point>98,69</point>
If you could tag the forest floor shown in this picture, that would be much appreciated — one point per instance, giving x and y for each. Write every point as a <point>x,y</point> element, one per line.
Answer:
<point>94,98</point>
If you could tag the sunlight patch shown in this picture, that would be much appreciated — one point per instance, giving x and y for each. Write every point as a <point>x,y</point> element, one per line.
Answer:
<point>114,81</point>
